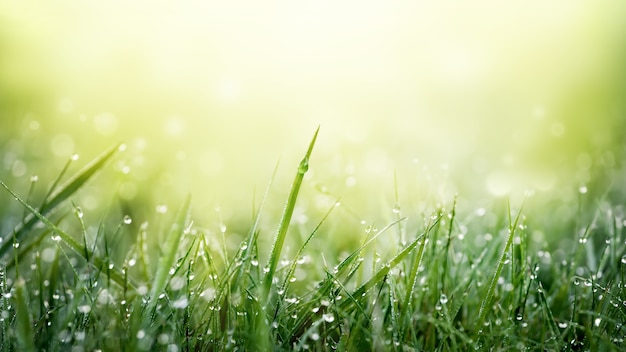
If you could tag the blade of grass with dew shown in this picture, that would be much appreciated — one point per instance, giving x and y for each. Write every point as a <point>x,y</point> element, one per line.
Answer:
<point>382,272</point>
<point>326,286</point>
<point>53,199</point>
<point>448,241</point>
<point>303,167</point>
<point>421,241</point>
<point>169,257</point>
<point>486,302</point>
<point>292,268</point>
<point>98,262</point>
<point>24,331</point>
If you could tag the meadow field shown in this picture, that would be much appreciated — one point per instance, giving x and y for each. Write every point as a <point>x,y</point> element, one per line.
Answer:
<point>312,176</point>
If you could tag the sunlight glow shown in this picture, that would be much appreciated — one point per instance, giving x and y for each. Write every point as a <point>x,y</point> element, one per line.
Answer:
<point>237,84</point>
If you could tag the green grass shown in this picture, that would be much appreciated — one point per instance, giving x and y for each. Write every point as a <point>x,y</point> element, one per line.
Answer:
<point>451,281</point>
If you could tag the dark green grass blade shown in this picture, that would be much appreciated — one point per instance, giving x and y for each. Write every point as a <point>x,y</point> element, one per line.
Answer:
<point>24,330</point>
<point>286,219</point>
<point>57,197</point>
<point>98,262</point>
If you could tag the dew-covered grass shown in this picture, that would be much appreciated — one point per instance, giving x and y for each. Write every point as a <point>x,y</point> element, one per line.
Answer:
<point>446,277</point>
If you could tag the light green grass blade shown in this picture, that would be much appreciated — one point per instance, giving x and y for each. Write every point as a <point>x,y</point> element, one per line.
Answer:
<point>286,219</point>
<point>421,241</point>
<point>98,262</point>
<point>486,302</point>
<point>57,197</point>
<point>171,248</point>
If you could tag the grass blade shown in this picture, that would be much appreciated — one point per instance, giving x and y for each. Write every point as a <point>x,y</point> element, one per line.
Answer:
<point>59,196</point>
<point>171,246</point>
<point>24,331</point>
<point>421,241</point>
<point>286,219</point>
<point>486,302</point>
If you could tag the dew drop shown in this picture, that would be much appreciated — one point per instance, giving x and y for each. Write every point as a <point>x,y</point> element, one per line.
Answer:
<point>181,303</point>
<point>128,220</point>
<point>329,318</point>
<point>141,334</point>
<point>443,299</point>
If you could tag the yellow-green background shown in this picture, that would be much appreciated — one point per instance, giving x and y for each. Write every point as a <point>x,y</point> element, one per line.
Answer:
<point>477,97</point>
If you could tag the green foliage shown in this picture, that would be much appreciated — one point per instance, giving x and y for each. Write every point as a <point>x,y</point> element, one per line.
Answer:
<point>452,285</point>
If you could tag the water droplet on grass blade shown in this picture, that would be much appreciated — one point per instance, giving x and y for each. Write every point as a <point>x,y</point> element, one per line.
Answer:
<point>128,220</point>
<point>443,299</point>
<point>329,318</point>
<point>181,303</point>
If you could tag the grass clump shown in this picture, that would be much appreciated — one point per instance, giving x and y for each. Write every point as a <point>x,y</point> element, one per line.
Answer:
<point>451,282</point>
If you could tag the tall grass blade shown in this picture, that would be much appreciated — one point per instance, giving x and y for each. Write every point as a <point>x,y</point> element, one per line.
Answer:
<point>486,302</point>
<point>303,167</point>
<point>55,198</point>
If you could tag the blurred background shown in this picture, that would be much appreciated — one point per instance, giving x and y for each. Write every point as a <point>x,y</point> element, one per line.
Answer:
<point>416,100</point>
